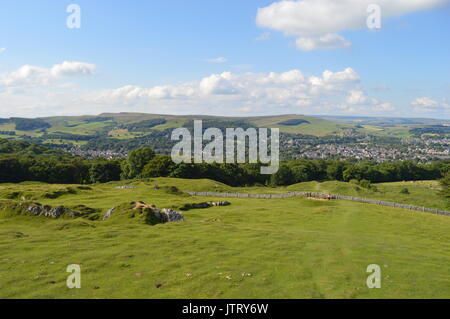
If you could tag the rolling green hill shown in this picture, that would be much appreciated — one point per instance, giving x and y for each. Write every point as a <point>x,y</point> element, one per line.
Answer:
<point>107,128</point>
<point>254,248</point>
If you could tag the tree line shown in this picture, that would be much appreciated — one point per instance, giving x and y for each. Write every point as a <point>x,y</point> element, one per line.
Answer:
<point>23,161</point>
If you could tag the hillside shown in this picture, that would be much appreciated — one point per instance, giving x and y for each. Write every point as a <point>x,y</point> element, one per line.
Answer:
<point>290,248</point>
<point>80,129</point>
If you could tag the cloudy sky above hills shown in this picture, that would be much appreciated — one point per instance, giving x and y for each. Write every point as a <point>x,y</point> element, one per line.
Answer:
<point>231,57</point>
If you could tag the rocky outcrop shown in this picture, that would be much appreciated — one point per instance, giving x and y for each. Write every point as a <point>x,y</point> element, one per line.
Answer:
<point>126,187</point>
<point>167,215</point>
<point>37,209</point>
<point>203,205</point>
<point>51,212</point>
<point>150,214</point>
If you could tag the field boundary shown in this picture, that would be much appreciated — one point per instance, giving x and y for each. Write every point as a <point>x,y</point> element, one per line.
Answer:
<point>322,196</point>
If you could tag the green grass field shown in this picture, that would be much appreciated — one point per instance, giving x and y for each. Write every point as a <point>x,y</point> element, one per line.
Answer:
<point>287,248</point>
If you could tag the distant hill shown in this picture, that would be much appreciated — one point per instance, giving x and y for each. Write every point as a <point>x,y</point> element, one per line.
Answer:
<point>110,128</point>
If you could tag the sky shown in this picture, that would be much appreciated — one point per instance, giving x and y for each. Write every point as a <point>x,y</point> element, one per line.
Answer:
<point>225,57</point>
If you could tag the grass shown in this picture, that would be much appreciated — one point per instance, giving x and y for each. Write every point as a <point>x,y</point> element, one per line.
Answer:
<point>316,126</point>
<point>290,248</point>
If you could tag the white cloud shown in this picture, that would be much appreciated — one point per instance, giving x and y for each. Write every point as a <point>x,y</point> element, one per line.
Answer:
<point>217,60</point>
<point>316,22</point>
<point>231,94</point>
<point>33,91</point>
<point>357,97</point>
<point>348,75</point>
<point>384,107</point>
<point>218,84</point>
<point>327,41</point>
<point>426,105</point>
<point>2,50</point>
<point>34,75</point>
<point>72,69</point>
<point>425,101</point>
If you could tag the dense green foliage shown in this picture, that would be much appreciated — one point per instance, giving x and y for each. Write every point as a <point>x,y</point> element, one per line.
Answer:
<point>23,124</point>
<point>294,122</point>
<point>144,125</point>
<point>24,161</point>
<point>220,124</point>
<point>432,129</point>
<point>132,167</point>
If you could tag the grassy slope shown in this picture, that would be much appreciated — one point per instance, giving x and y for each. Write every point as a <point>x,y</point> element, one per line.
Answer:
<point>421,193</point>
<point>75,124</point>
<point>316,126</point>
<point>293,248</point>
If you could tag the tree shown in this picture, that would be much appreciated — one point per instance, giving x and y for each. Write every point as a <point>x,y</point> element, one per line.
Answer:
<point>283,177</point>
<point>352,172</point>
<point>137,159</point>
<point>445,184</point>
<point>159,166</point>
<point>335,171</point>
<point>104,171</point>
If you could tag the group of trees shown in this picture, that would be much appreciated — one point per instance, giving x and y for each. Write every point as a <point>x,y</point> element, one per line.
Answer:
<point>23,124</point>
<point>24,161</point>
<point>296,171</point>
<point>307,170</point>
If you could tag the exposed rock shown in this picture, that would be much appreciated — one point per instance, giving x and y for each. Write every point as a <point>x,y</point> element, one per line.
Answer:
<point>168,215</point>
<point>109,213</point>
<point>203,205</point>
<point>126,187</point>
<point>154,216</point>
<point>52,212</point>
<point>147,213</point>
<point>225,203</point>
<point>37,209</point>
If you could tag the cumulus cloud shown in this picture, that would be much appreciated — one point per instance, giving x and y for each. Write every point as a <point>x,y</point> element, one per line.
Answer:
<point>426,104</point>
<point>327,41</point>
<point>32,91</point>
<point>424,101</point>
<point>316,23</point>
<point>357,97</point>
<point>34,75</point>
<point>273,92</point>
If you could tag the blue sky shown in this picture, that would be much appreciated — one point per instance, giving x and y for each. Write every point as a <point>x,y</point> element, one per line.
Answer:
<point>224,58</point>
